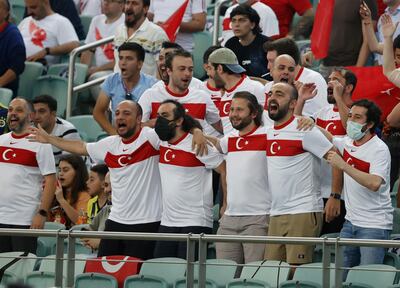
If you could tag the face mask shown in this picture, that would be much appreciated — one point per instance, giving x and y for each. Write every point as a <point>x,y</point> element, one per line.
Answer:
<point>353,130</point>
<point>164,129</point>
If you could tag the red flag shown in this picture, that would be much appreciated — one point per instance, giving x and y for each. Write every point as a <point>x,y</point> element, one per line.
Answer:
<point>322,28</point>
<point>373,85</point>
<point>171,25</point>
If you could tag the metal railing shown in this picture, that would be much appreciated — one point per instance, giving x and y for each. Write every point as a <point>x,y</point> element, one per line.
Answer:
<point>201,239</point>
<point>217,10</point>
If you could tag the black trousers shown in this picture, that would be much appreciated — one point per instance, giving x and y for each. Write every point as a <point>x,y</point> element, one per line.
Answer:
<point>177,248</point>
<point>17,243</point>
<point>335,225</point>
<point>140,249</point>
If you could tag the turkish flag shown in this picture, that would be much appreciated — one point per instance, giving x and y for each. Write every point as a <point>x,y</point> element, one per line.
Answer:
<point>321,32</point>
<point>171,25</point>
<point>373,85</point>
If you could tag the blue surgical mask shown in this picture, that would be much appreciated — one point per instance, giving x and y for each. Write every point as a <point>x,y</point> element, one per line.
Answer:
<point>354,130</point>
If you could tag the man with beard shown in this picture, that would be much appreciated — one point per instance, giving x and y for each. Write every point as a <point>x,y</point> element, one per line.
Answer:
<point>186,179</point>
<point>197,103</point>
<point>24,166</point>
<point>297,206</point>
<point>139,29</point>
<point>332,118</point>
<point>227,74</point>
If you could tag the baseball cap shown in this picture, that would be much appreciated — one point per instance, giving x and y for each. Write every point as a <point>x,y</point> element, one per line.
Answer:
<point>228,58</point>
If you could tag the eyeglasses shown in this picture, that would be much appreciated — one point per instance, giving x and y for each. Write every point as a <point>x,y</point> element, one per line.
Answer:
<point>128,96</point>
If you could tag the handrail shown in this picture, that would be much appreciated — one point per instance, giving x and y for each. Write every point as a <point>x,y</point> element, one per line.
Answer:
<point>71,71</point>
<point>217,9</point>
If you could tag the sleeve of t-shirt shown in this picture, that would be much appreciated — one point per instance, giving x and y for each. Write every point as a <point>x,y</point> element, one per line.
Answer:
<point>316,143</point>
<point>300,6</point>
<point>259,92</point>
<point>45,159</point>
<point>223,143</point>
<point>212,113</point>
<point>16,54</point>
<point>339,142</point>
<point>98,150</point>
<point>145,103</point>
<point>380,166</point>
<point>153,138</point>
<point>66,32</point>
<point>213,159</point>
<point>199,6</point>
<point>107,85</point>
<point>91,35</point>
<point>270,24</point>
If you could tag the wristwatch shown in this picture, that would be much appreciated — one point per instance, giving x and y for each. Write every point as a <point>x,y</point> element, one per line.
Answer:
<point>47,50</point>
<point>335,195</point>
<point>42,212</point>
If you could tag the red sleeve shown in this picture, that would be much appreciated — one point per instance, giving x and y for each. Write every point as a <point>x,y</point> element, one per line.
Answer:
<point>300,6</point>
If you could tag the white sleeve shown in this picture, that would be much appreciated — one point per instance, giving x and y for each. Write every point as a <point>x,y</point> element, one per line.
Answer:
<point>316,143</point>
<point>259,92</point>
<point>98,150</point>
<point>66,32</point>
<point>223,143</point>
<point>153,138</point>
<point>320,100</point>
<point>269,23</point>
<point>45,159</point>
<point>212,112</point>
<point>226,26</point>
<point>199,6</point>
<point>339,142</point>
<point>380,166</point>
<point>145,103</point>
<point>213,159</point>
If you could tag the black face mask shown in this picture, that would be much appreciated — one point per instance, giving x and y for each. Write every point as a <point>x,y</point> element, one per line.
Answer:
<point>164,129</point>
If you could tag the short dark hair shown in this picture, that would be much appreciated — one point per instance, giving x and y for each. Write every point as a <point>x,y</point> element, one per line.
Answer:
<point>373,112</point>
<point>169,45</point>
<point>348,75</point>
<point>179,112</point>
<point>252,103</point>
<point>246,10</point>
<point>46,99</point>
<point>284,46</point>
<point>170,57</point>
<point>100,169</point>
<point>146,3</point>
<point>208,52</point>
<point>396,42</point>
<point>135,47</point>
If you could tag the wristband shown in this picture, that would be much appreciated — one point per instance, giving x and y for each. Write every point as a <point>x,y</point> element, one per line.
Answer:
<point>47,50</point>
<point>42,212</point>
<point>335,196</point>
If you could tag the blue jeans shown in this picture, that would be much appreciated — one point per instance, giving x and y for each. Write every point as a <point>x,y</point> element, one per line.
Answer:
<point>354,256</point>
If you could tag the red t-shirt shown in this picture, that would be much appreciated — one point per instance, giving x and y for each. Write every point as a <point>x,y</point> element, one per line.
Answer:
<point>285,9</point>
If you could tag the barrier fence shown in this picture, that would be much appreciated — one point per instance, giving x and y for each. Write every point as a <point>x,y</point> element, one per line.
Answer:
<point>327,244</point>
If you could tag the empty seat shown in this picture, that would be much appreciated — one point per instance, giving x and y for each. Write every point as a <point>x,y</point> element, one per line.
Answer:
<point>95,280</point>
<point>27,79</point>
<point>48,264</point>
<point>85,19</point>
<point>181,283</point>
<point>241,283</point>
<point>145,282</point>
<point>221,271</point>
<point>302,284</point>
<point>309,274</point>
<point>272,272</point>
<point>8,278</point>
<point>5,96</point>
<point>46,245</point>
<point>20,268</point>
<point>40,279</point>
<point>87,127</point>
<point>373,278</point>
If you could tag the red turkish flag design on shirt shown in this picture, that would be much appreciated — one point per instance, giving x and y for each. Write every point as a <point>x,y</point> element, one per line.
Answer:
<point>108,49</point>
<point>178,158</point>
<point>18,156</point>
<point>284,147</point>
<point>335,127</point>
<point>38,34</point>
<point>196,110</point>
<point>249,143</point>
<point>355,162</point>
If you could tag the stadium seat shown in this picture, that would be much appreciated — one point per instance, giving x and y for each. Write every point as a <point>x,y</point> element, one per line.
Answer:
<point>393,197</point>
<point>47,245</point>
<point>95,280</point>
<point>302,284</point>
<point>396,185</point>
<point>5,96</point>
<point>372,278</point>
<point>88,128</point>
<point>202,40</point>
<point>27,79</point>
<point>62,71</point>
<point>272,272</point>
<point>220,271</point>
<point>79,247</point>
<point>8,278</point>
<point>21,268</point>
<point>181,283</point>
<point>18,10</point>
<point>396,221</point>
<point>48,264</point>
<point>145,282</point>
<point>85,19</point>
<point>242,283</point>
<point>55,86</point>
<point>40,279</point>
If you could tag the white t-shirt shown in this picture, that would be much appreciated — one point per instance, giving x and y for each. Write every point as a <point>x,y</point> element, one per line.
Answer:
<point>51,31</point>
<point>88,7</point>
<point>150,36</point>
<point>163,9</point>
<point>134,175</point>
<point>98,30</point>
<point>268,21</point>
<point>187,184</point>
<point>65,130</point>
<point>194,84</point>
<point>245,84</point>
<point>246,173</point>
<point>22,167</point>
<point>366,208</point>
<point>196,102</point>
<point>215,96</point>
<point>329,119</point>
<point>293,168</point>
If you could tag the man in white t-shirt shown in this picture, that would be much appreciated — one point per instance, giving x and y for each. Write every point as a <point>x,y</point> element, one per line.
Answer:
<point>268,21</point>
<point>186,179</point>
<point>293,174</point>
<point>301,74</point>
<point>139,29</point>
<point>45,114</point>
<point>365,161</point>
<point>194,18</point>
<point>179,66</point>
<point>46,34</point>
<point>27,179</point>
<point>91,7</point>
<point>229,75</point>
<point>102,26</point>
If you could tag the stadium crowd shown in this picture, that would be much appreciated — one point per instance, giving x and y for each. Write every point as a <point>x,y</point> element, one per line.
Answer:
<point>280,143</point>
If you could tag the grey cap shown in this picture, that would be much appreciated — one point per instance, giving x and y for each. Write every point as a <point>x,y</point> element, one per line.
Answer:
<point>228,58</point>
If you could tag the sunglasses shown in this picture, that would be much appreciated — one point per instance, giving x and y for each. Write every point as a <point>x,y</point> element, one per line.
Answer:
<point>128,96</point>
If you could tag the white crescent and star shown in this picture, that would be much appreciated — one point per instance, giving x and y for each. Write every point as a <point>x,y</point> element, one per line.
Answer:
<point>350,161</point>
<point>272,148</point>
<point>120,160</point>
<point>224,107</point>
<point>238,143</point>
<point>4,155</point>
<point>166,154</point>
<point>329,125</point>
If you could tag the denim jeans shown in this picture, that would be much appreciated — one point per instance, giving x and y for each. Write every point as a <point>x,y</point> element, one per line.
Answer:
<point>353,255</point>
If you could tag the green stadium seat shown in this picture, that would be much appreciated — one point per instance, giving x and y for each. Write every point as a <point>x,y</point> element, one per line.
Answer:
<point>298,283</point>
<point>95,280</point>
<point>87,127</point>
<point>202,40</point>
<point>5,96</point>
<point>372,278</point>
<point>19,269</point>
<point>27,79</point>
<point>396,221</point>
<point>17,10</point>
<point>220,271</point>
<point>393,198</point>
<point>40,279</point>
<point>47,245</point>
<point>86,20</point>
<point>62,71</point>
<point>241,283</point>
<point>181,283</point>
<point>145,282</point>
<point>272,272</point>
